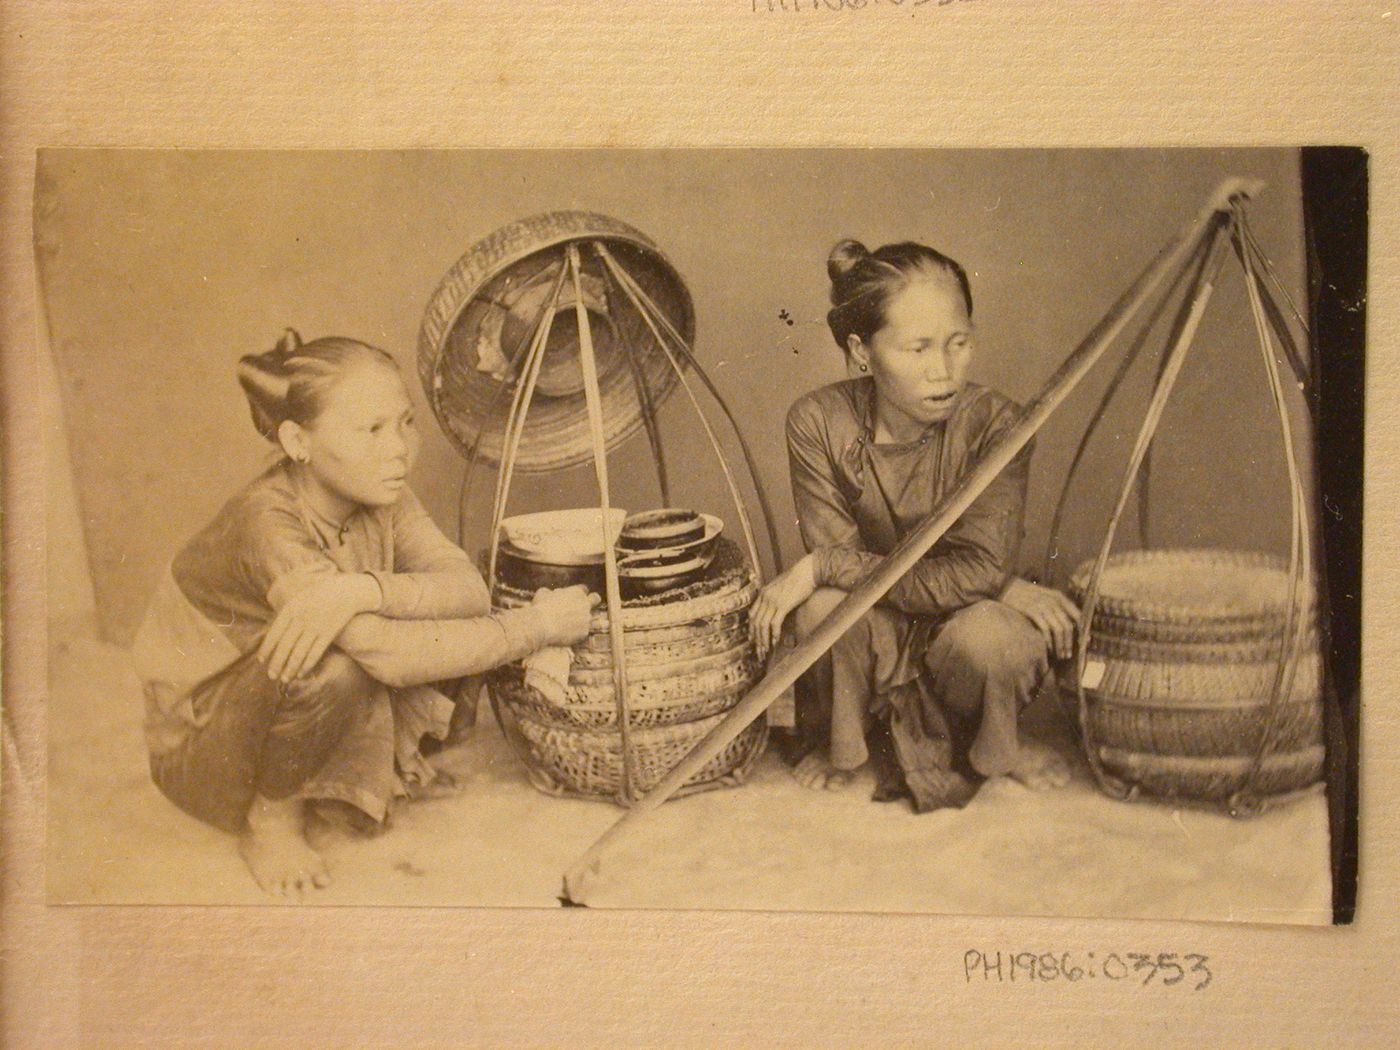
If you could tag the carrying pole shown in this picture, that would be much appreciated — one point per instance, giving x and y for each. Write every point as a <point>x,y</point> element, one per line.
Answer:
<point>914,546</point>
<point>613,589</point>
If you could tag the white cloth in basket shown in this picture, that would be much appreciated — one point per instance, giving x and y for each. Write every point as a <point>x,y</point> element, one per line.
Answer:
<point>547,671</point>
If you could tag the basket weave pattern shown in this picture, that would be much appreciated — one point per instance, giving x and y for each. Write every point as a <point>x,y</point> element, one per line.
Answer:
<point>1183,701</point>
<point>689,660</point>
<point>682,644</point>
<point>465,400</point>
<point>682,697</point>
<point>590,762</point>
<point>731,591</point>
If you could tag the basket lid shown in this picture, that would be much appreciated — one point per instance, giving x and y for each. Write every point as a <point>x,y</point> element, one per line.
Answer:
<point>478,325</point>
<point>1193,586</point>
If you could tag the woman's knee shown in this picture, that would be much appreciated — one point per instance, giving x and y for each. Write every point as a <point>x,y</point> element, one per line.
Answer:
<point>993,638</point>
<point>314,714</point>
<point>336,681</point>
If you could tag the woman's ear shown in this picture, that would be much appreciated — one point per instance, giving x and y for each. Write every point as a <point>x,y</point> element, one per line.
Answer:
<point>857,354</point>
<point>293,439</point>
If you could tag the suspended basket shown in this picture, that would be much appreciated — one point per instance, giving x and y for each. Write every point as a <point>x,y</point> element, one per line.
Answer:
<point>548,343</point>
<point>590,762</point>
<point>689,661</point>
<point>688,657</point>
<point>1198,674</point>
<point>1196,248</point>
<point>1180,677</point>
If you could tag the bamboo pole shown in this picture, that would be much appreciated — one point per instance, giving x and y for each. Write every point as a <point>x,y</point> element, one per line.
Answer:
<point>644,400</point>
<point>519,360</point>
<point>634,293</point>
<point>1197,299</point>
<point>1096,418</point>
<point>1249,250</point>
<point>1246,801</point>
<point>900,560</point>
<point>1208,259</point>
<point>613,588</point>
<point>515,424</point>
<point>688,357</point>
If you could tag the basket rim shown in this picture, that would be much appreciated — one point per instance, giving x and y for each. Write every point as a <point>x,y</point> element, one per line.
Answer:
<point>735,591</point>
<point>473,271</point>
<point>1123,608</point>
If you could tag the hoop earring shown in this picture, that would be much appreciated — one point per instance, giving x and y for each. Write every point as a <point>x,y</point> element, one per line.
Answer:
<point>865,368</point>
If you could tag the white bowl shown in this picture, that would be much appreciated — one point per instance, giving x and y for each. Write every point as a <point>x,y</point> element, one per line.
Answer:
<point>553,535</point>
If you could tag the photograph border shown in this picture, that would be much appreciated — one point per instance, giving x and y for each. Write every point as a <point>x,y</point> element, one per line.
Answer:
<point>263,75</point>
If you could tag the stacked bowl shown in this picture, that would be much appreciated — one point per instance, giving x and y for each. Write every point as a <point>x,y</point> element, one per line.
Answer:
<point>665,548</point>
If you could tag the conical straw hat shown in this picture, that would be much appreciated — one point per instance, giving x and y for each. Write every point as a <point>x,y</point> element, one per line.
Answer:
<point>483,313</point>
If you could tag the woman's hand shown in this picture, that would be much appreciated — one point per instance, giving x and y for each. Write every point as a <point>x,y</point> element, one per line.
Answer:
<point>567,612</point>
<point>310,621</point>
<point>776,600</point>
<point>1054,615</point>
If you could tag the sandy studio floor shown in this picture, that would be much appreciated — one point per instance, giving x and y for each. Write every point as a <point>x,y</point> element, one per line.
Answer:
<point>770,845</point>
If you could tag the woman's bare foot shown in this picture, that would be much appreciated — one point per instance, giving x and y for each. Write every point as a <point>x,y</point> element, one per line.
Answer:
<point>816,772</point>
<point>329,820</point>
<point>276,851</point>
<point>443,785</point>
<point>1040,768</point>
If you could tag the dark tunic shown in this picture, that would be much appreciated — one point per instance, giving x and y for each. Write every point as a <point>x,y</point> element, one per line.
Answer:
<point>856,499</point>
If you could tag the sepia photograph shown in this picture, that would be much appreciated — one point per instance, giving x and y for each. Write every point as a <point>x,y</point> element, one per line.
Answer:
<point>819,530</point>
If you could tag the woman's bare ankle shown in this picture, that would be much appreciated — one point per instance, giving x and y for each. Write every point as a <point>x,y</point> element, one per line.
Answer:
<point>817,772</point>
<point>1039,768</point>
<point>272,814</point>
<point>275,849</point>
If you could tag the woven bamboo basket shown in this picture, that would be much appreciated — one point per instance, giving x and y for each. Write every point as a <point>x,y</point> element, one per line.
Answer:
<point>589,762</point>
<point>1179,682</point>
<point>689,660</point>
<point>486,300</point>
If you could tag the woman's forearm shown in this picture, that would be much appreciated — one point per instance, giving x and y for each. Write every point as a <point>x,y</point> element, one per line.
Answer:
<point>413,652</point>
<point>936,586</point>
<point>451,594</point>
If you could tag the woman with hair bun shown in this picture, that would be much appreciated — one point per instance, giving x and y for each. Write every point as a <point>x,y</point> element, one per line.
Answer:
<point>297,653</point>
<point>929,684</point>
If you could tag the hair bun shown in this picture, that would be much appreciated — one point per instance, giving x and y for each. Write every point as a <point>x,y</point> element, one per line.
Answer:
<point>844,257</point>
<point>290,381</point>
<point>289,344</point>
<point>265,380</point>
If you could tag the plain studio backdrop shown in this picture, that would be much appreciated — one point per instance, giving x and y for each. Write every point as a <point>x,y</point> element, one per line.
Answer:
<point>160,268</point>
